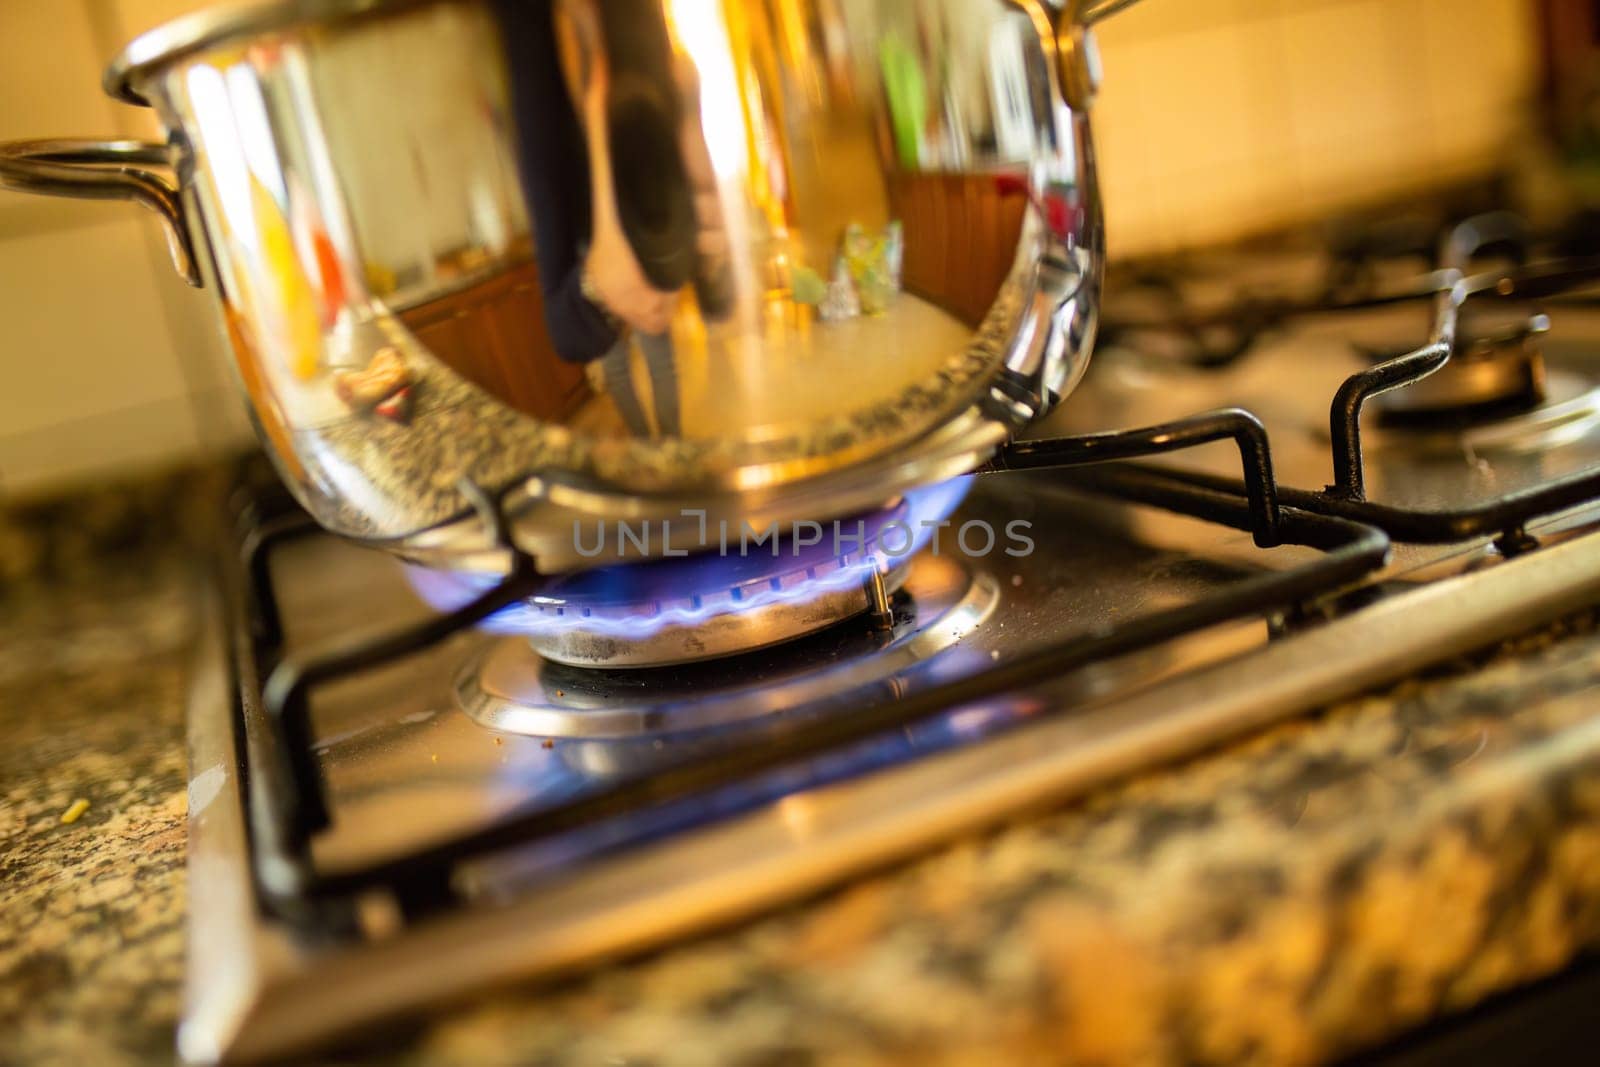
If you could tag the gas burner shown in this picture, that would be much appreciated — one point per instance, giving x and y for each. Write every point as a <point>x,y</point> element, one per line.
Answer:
<point>510,687</point>
<point>1499,373</point>
<point>746,593</point>
<point>1568,411</point>
<point>763,611</point>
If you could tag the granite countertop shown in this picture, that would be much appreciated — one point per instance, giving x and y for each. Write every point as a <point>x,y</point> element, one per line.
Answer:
<point>1303,893</point>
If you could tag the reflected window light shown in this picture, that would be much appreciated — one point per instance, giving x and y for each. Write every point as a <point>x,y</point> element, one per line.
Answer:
<point>699,27</point>
<point>255,131</point>
<point>225,155</point>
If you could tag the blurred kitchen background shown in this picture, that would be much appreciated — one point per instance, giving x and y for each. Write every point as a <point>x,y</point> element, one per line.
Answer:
<point>1219,118</point>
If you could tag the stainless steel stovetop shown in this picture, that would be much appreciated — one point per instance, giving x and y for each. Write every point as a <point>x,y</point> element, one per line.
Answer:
<point>492,814</point>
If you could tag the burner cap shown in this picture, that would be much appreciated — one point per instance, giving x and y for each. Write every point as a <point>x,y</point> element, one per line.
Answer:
<point>721,621</point>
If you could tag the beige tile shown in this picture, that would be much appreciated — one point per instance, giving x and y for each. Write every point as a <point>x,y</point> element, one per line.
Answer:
<point>1122,141</point>
<point>1197,100</point>
<point>137,16</point>
<point>49,87</point>
<point>1153,19</point>
<point>49,71</point>
<point>1140,221</point>
<point>1345,74</point>
<point>1479,59</point>
<point>1266,76</point>
<point>111,441</point>
<point>1221,204</point>
<point>1181,119</point>
<point>1299,107</point>
<point>82,337</point>
<point>102,344</point>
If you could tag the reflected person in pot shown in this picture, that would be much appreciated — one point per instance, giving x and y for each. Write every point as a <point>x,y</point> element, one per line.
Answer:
<point>619,188</point>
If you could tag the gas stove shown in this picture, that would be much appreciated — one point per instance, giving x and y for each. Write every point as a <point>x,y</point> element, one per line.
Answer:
<point>1296,470</point>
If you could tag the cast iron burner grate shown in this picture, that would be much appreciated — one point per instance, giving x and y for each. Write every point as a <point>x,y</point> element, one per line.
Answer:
<point>1352,536</point>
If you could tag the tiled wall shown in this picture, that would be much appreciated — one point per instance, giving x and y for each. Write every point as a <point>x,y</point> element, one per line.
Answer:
<point>1217,117</point>
<point>110,360</point>
<point>1222,116</point>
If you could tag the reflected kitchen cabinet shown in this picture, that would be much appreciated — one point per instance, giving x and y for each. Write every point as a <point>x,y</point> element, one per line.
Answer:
<point>492,333</point>
<point>961,234</point>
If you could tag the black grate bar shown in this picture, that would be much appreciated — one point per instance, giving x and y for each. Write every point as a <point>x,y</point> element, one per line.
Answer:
<point>284,697</point>
<point>1344,418</point>
<point>1502,515</point>
<point>1229,423</point>
<point>1533,281</point>
<point>259,542</point>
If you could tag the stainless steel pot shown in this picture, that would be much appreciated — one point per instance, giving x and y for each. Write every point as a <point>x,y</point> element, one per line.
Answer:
<point>619,259</point>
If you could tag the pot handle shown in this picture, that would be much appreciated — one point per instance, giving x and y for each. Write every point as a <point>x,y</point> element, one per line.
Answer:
<point>102,170</point>
<point>1077,54</point>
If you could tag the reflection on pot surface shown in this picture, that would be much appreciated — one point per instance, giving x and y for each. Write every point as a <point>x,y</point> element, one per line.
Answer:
<point>683,251</point>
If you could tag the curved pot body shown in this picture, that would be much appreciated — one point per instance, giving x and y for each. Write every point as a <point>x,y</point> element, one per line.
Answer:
<point>619,259</point>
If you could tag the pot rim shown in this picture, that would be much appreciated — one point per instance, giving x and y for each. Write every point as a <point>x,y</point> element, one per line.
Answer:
<point>200,30</point>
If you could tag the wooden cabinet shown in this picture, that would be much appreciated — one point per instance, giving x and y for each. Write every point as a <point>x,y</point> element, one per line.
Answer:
<point>493,334</point>
<point>961,234</point>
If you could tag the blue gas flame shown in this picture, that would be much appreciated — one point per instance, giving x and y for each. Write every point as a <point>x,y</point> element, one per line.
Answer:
<point>632,601</point>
